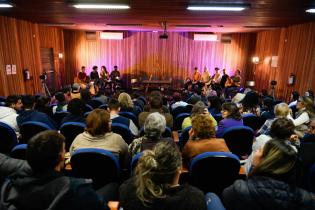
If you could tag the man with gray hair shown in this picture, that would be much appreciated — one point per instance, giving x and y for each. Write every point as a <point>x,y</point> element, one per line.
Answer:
<point>154,127</point>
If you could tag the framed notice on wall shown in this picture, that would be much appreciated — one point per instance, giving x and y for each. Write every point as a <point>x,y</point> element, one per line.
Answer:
<point>8,69</point>
<point>13,69</point>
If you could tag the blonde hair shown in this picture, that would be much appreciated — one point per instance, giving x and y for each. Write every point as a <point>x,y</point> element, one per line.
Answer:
<point>125,100</point>
<point>156,171</point>
<point>282,110</point>
<point>203,126</point>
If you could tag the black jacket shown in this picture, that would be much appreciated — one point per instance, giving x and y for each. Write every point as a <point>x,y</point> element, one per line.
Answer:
<point>26,190</point>
<point>263,193</point>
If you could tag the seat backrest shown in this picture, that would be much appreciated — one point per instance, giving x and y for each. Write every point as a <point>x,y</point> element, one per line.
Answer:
<point>134,162</point>
<point>253,121</point>
<point>19,152</point>
<point>130,116</point>
<point>214,171</point>
<point>30,129</point>
<point>87,108</point>
<point>70,130</point>
<point>179,110</point>
<point>239,140</point>
<point>58,117</point>
<point>94,103</point>
<point>124,131</point>
<point>311,179</point>
<point>184,137</point>
<point>179,121</point>
<point>217,117</point>
<point>103,106</point>
<point>97,164</point>
<point>8,138</point>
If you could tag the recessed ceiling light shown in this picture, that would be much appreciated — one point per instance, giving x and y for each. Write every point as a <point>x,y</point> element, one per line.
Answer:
<point>6,5</point>
<point>101,6</point>
<point>235,8</point>
<point>311,10</point>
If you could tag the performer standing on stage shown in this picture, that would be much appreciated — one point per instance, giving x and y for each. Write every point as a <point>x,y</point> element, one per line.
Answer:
<point>82,75</point>
<point>104,73</point>
<point>94,74</point>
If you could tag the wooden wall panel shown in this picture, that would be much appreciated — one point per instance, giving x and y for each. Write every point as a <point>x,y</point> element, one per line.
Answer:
<point>20,43</point>
<point>295,47</point>
<point>143,53</point>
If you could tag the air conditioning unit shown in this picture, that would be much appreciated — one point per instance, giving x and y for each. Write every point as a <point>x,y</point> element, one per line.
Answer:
<point>206,37</point>
<point>111,35</point>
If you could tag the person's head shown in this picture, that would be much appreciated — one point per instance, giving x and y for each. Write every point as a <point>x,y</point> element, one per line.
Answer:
<point>60,97</point>
<point>294,96</point>
<point>230,110</point>
<point>238,72</point>
<point>76,88</point>
<point>14,102</point>
<point>46,152</point>
<point>268,103</point>
<point>177,96</point>
<point>125,100</point>
<point>312,127</point>
<point>196,68</point>
<point>103,68</point>
<point>282,128</point>
<point>309,93</point>
<point>156,102</point>
<point>223,71</point>
<point>198,108</point>
<point>28,101</point>
<point>278,159</point>
<point>202,127</point>
<point>305,102</point>
<point>281,110</point>
<point>216,69</point>
<point>76,106</point>
<point>214,103</point>
<point>94,68</point>
<point>154,125</point>
<point>116,68</point>
<point>157,171</point>
<point>114,105</point>
<point>250,101</point>
<point>83,69</point>
<point>98,122</point>
<point>85,95</point>
<point>205,69</point>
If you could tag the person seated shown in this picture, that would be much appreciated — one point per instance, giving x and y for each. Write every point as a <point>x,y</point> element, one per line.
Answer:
<point>114,109</point>
<point>82,77</point>
<point>281,110</point>
<point>196,76</point>
<point>115,74</point>
<point>155,105</point>
<point>216,78</point>
<point>8,113</point>
<point>94,74</point>
<point>42,105</point>
<point>126,103</point>
<point>267,110</point>
<point>281,128</point>
<point>67,92</point>
<point>75,91</point>
<point>202,138</point>
<point>29,114</point>
<point>38,182</point>
<point>307,147</point>
<point>104,73</point>
<point>62,105</point>
<point>76,110</point>
<point>272,182</point>
<point>250,104</point>
<point>198,108</point>
<point>231,117</point>
<point>205,78</point>
<point>177,101</point>
<point>156,183</point>
<point>214,105</point>
<point>303,115</point>
<point>98,135</point>
<point>154,127</point>
<point>100,92</point>
<point>224,78</point>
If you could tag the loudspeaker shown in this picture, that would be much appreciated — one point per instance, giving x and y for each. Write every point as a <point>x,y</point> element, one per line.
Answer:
<point>90,35</point>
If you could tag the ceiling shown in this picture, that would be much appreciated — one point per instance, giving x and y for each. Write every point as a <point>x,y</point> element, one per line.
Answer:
<point>147,15</point>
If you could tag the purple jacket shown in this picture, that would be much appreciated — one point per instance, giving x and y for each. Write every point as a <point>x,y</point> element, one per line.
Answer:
<point>227,123</point>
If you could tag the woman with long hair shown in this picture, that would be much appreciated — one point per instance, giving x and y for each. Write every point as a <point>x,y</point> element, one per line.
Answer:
<point>156,183</point>
<point>104,73</point>
<point>272,184</point>
<point>303,115</point>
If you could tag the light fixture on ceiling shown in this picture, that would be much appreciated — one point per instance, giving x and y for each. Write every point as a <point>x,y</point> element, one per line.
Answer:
<point>101,6</point>
<point>5,5</point>
<point>228,7</point>
<point>311,10</point>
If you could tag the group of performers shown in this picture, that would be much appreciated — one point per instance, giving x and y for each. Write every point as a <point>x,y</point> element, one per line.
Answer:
<point>111,81</point>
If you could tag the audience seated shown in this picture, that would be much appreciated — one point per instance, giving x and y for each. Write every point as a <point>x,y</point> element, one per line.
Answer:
<point>42,105</point>
<point>307,148</point>
<point>29,114</point>
<point>202,138</point>
<point>267,111</point>
<point>156,184</point>
<point>61,103</point>
<point>39,184</point>
<point>98,135</point>
<point>281,129</point>
<point>126,103</point>
<point>281,111</point>
<point>114,108</point>
<point>294,97</point>
<point>272,184</point>
<point>198,108</point>
<point>177,101</point>
<point>75,91</point>
<point>75,109</point>
<point>231,117</point>
<point>214,104</point>
<point>154,126</point>
<point>304,114</point>
<point>250,104</point>
<point>8,113</point>
<point>156,104</point>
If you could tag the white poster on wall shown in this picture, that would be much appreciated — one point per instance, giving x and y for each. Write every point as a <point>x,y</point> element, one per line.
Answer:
<point>13,69</point>
<point>8,69</point>
<point>274,61</point>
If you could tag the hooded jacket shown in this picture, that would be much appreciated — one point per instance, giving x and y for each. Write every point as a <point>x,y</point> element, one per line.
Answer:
<point>264,193</point>
<point>8,116</point>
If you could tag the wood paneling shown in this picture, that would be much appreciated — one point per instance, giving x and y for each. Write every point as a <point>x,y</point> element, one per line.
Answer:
<point>20,43</point>
<point>295,47</point>
<point>143,53</point>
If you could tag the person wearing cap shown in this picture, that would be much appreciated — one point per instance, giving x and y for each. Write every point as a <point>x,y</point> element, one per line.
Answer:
<point>75,92</point>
